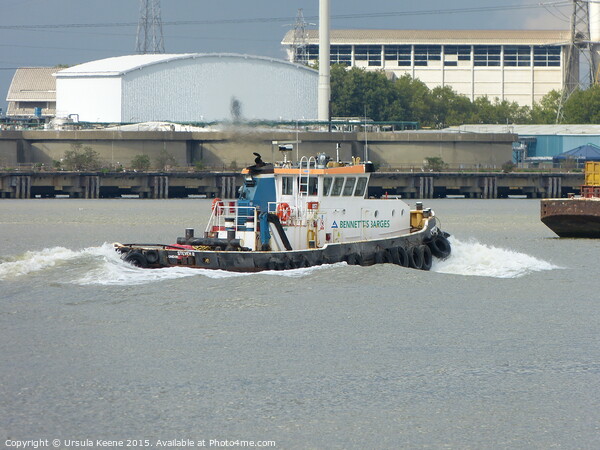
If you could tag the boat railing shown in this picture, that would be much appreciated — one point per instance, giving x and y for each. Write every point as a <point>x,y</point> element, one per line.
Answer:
<point>231,215</point>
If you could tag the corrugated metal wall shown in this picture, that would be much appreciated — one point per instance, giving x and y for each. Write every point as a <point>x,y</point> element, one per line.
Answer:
<point>553,145</point>
<point>220,87</point>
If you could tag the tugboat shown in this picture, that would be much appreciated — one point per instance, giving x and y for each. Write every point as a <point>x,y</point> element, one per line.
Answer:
<point>576,216</point>
<point>310,213</point>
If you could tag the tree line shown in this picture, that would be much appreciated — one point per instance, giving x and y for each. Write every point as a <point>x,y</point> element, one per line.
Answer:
<point>357,92</point>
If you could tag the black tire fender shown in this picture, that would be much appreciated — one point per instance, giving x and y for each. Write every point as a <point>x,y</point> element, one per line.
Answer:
<point>151,256</point>
<point>354,259</point>
<point>136,259</point>
<point>427,258</point>
<point>440,247</point>
<point>415,257</point>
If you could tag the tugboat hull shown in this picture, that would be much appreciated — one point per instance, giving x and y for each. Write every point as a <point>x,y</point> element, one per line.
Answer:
<point>573,217</point>
<point>411,250</point>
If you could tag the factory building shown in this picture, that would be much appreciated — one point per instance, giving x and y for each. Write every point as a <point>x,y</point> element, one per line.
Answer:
<point>186,88</point>
<point>537,144</point>
<point>513,65</point>
<point>32,93</point>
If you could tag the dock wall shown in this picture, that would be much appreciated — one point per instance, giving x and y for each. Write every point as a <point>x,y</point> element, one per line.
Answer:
<point>225,184</point>
<point>235,147</point>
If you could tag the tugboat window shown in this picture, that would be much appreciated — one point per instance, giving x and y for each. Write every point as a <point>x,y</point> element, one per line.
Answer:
<point>360,187</point>
<point>313,186</point>
<point>327,185</point>
<point>287,186</point>
<point>349,186</point>
<point>310,188</point>
<point>337,186</point>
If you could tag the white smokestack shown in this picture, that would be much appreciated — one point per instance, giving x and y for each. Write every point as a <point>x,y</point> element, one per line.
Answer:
<point>324,92</point>
<point>594,19</point>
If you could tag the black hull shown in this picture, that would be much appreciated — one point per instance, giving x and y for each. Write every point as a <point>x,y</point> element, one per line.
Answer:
<point>569,226</point>
<point>572,218</point>
<point>411,250</point>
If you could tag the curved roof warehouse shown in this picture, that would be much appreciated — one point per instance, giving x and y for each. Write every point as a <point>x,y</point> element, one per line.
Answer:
<point>192,87</point>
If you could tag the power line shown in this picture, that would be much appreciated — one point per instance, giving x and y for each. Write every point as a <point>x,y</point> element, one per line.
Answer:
<point>288,19</point>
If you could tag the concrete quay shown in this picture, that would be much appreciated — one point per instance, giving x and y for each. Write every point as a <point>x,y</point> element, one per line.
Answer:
<point>162,185</point>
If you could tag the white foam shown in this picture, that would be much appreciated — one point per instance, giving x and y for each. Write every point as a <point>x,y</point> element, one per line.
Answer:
<point>475,259</point>
<point>35,261</point>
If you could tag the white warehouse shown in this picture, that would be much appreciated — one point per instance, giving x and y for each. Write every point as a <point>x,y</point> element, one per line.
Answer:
<point>186,88</point>
<point>514,65</point>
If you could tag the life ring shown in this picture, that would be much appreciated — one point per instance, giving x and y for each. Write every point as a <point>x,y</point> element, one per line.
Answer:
<point>136,259</point>
<point>427,258</point>
<point>217,205</point>
<point>440,247</point>
<point>284,212</point>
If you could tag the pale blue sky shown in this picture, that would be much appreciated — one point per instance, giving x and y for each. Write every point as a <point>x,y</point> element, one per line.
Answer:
<point>239,26</point>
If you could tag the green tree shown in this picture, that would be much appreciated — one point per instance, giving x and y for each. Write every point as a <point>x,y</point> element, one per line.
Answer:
<point>546,111</point>
<point>164,160</point>
<point>140,162</point>
<point>81,158</point>
<point>434,163</point>
<point>583,106</point>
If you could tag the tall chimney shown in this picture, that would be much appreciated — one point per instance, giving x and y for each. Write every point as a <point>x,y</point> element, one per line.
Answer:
<point>324,92</point>
<point>594,21</point>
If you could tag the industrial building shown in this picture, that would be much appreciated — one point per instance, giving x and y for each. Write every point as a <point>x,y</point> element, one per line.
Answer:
<point>514,65</point>
<point>32,93</point>
<point>186,88</point>
<point>539,144</point>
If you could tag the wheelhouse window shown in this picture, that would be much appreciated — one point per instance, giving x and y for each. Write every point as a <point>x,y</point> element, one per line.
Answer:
<point>338,182</point>
<point>287,185</point>
<point>360,187</point>
<point>349,186</point>
<point>308,186</point>
<point>327,185</point>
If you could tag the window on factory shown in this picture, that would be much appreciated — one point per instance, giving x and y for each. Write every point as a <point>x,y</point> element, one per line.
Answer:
<point>340,54</point>
<point>426,53</point>
<point>546,56</point>
<point>399,53</point>
<point>486,55</point>
<point>369,53</point>
<point>312,52</point>
<point>517,55</point>
<point>455,53</point>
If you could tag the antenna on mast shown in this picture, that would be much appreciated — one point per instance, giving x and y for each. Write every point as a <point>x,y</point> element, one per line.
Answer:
<point>149,32</point>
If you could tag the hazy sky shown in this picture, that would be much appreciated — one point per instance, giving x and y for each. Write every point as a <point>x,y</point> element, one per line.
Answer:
<point>238,26</point>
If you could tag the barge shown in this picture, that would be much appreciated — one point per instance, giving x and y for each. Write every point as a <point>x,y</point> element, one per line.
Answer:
<point>576,216</point>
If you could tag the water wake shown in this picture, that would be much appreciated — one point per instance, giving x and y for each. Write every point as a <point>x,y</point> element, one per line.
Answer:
<point>475,259</point>
<point>36,261</point>
<point>103,266</point>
